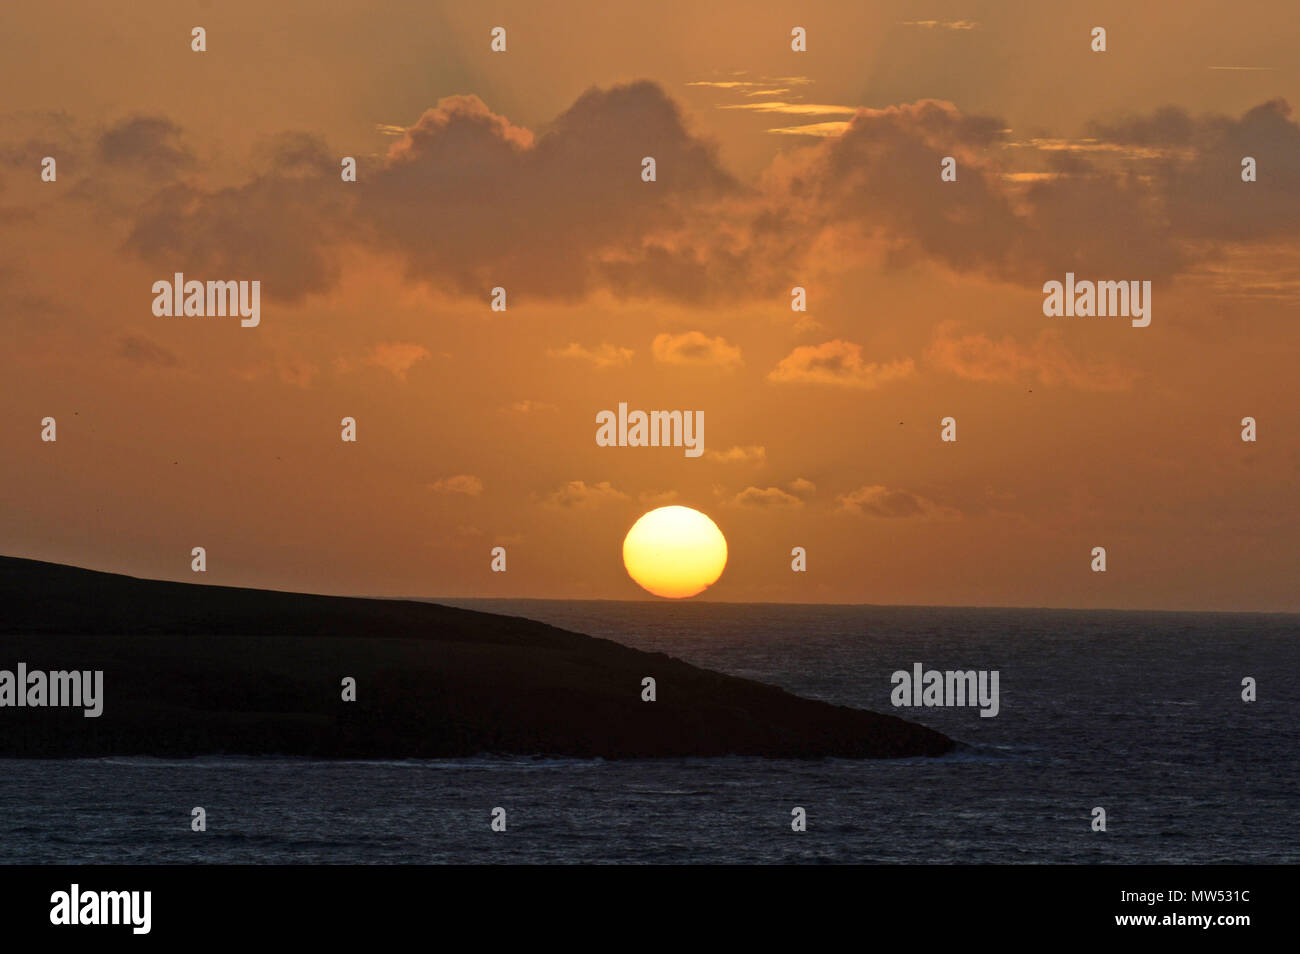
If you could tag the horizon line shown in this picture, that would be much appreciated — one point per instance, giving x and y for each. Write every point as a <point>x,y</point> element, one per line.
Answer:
<point>442,600</point>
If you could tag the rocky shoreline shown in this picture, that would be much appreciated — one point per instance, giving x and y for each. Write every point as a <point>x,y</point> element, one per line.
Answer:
<point>201,670</point>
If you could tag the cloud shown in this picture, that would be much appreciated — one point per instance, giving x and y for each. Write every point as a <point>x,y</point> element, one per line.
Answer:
<point>1046,361</point>
<point>529,406</point>
<point>1200,192</point>
<point>820,130</point>
<point>1165,126</point>
<point>695,348</point>
<point>1062,153</point>
<point>578,494</point>
<point>604,356</point>
<point>880,178</point>
<point>765,498</point>
<point>879,501</point>
<point>466,484</point>
<point>798,491</point>
<point>802,488</point>
<point>1257,272</point>
<point>877,183</point>
<point>1149,195</point>
<point>746,86</point>
<point>464,196</point>
<point>793,109</point>
<point>35,134</point>
<point>837,363</point>
<point>751,454</point>
<point>284,227</point>
<point>143,351</point>
<point>475,120</point>
<point>882,171</point>
<point>396,357</point>
<point>562,212</point>
<point>146,143</point>
<point>290,368</point>
<point>943,24</point>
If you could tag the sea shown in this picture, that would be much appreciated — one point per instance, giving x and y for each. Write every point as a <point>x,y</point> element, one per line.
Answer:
<point>1140,714</point>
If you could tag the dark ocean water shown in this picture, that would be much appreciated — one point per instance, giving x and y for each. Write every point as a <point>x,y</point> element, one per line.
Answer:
<point>1139,713</point>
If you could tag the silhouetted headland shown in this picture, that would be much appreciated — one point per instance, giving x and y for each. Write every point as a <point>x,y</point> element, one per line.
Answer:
<point>201,670</point>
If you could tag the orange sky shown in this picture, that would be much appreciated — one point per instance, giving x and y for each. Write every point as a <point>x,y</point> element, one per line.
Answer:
<point>476,428</point>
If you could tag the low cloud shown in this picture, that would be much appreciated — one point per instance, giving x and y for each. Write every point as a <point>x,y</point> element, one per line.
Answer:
<point>802,488</point>
<point>838,363</point>
<point>285,226</point>
<point>578,494</point>
<point>603,356</point>
<point>879,501</point>
<point>143,351</point>
<point>295,369</point>
<point>751,454</point>
<point>148,143</point>
<point>695,348</point>
<point>565,212</point>
<point>529,406</point>
<point>397,358</point>
<point>466,484</point>
<point>962,25</point>
<point>1202,195</point>
<point>1045,361</point>
<point>765,498</point>
<point>794,109</point>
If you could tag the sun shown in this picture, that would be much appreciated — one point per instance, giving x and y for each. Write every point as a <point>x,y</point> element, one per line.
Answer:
<point>675,552</point>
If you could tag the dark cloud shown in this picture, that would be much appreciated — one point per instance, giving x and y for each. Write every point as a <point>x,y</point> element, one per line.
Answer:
<point>143,351</point>
<point>284,227</point>
<point>472,201</point>
<point>1195,170</point>
<point>879,501</point>
<point>151,144</point>
<point>1167,126</point>
<point>467,200</point>
<point>882,177</point>
<point>1069,163</point>
<point>1206,197</point>
<point>33,135</point>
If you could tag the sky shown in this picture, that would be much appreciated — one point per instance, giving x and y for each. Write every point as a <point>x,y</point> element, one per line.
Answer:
<point>774,168</point>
